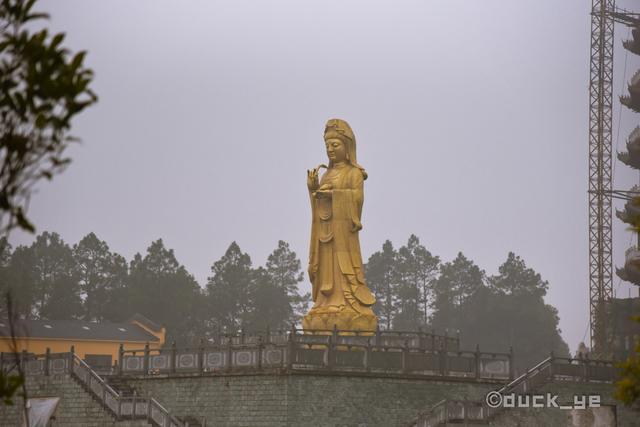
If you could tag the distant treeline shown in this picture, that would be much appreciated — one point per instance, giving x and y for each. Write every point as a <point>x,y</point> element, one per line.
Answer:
<point>415,290</point>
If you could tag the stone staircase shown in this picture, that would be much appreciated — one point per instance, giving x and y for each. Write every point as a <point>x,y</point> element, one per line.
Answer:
<point>125,390</point>
<point>76,408</point>
<point>86,399</point>
<point>123,404</point>
<point>449,412</point>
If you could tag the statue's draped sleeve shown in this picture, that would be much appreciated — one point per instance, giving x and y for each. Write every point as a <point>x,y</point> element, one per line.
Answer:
<point>346,201</point>
<point>347,211</point>
<point>313,248</point>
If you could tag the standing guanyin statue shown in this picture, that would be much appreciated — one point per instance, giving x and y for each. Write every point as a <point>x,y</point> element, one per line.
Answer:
<point>340,294</point>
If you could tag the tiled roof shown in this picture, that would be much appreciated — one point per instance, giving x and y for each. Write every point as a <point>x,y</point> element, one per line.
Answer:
<point>77,329</point>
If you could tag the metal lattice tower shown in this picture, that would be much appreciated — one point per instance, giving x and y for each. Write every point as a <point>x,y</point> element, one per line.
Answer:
<point>600,200</point>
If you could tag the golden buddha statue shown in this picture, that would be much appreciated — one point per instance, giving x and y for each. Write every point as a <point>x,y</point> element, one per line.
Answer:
<point>340,294</point>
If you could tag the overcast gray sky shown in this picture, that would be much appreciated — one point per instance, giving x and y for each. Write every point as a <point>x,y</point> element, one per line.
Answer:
<point>471,119</point>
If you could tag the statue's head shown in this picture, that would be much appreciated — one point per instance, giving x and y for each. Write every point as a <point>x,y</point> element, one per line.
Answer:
<point>341,143</point>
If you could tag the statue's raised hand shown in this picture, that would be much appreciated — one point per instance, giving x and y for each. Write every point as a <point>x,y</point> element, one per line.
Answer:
<point>312,180</point>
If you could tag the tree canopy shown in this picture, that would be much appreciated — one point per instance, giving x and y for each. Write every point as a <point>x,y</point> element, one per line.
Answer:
<point>414,290</point>
<point>42,88</point>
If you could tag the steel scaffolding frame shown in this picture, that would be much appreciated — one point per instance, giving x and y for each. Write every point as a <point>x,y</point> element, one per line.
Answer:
<point>600,145</point>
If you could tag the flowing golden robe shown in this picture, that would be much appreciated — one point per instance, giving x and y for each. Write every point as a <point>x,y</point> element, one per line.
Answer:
<point>340,294</point>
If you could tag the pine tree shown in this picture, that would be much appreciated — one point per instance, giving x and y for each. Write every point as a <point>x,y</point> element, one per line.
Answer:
<point>101,275</point>
<point>165,292</point>
<point>458,280</point>
<point>229,291</point>
<point>416,268</point>
<point>381,278</point>
<point>284,271</point>
<point>44,275</point>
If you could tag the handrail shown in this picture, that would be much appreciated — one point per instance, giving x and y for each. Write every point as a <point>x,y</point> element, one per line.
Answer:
<point>441,413</point>
<point>315,344</point>
<point>118,397</point>
<point>300,354</point>
<point>524,376</point>
<point>95,375</point>
<point>165,411</point>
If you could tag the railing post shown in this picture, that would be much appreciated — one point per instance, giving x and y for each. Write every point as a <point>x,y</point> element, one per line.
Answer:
<point>242,337</point>
<point>551,357</point>
<point>290,347</point>
<point>442,359</point>
<point>145,362</point>
<point>72,352</point>
<point>133,404</point>
<point>433,340</point>
<point>329,353</point>
<point>229,353</point>
<point>377,335</point>
<point>119,410</point>
<point>464,410</point>
<point>420,338</point>
<point>47,359</point>
<point>511,366</point>
<point>477,358</point>
<point>405,357</point>
<point>367,356</point>
<point>149,406</point>
<point>174,353</point>
<point>120,359</point>
<point>201,356</point>
<point>23,359</point>
<point>457,340</point>
<point>585,368</point>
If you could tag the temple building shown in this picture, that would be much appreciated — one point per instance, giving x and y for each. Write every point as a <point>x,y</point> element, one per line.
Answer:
<point>96,343</point>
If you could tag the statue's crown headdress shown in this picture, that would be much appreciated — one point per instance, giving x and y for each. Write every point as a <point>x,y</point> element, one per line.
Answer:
<point>337,128</point>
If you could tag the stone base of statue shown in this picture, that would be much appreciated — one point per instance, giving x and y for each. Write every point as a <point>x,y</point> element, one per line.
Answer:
<point>347,319</point>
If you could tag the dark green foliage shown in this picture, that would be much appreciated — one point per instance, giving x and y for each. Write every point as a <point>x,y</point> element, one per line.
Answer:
<point>515,278</point>
<point>508,311</point>
<point>628,387</point>
<point>415,268</point>
<point>42,87</point>
<point>17,277</point>
<point>270,304</point>
<point>458,280</point>
<point>242,298</point>
<point>101,274</point>
<point>9,386</point>
<point>162,290</point>
<point>51,280</point>
<point>284,272</point>
<point>502,311</point>
<point>382,278</point>
<point>43,279</point>
<point>229,290</point>
<point>497,321</point>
